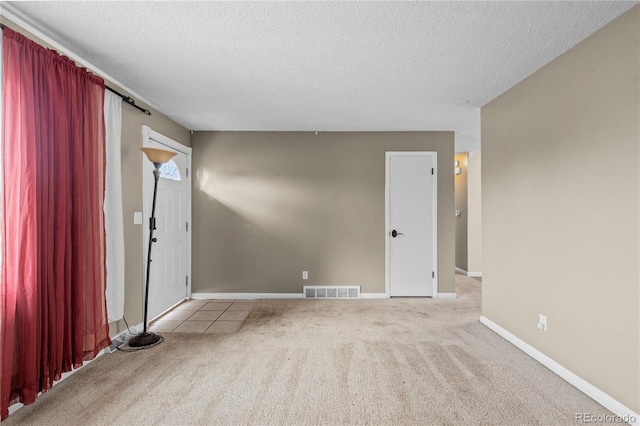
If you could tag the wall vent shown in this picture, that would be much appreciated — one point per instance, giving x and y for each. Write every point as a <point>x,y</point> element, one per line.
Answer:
<point>331,292</point>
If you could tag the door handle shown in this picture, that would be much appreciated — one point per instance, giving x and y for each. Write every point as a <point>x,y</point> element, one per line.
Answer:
<point>395,233</point>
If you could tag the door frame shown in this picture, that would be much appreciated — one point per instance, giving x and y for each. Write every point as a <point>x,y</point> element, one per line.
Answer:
<point>434,206</point>
<point>147,197</point>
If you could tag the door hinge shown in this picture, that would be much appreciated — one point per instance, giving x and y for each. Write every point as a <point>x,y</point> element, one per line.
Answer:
<point>187,225</point>
<point>432,171</point>
<point>187,172</point>
<point>433,274</point>
<point>186,282</point>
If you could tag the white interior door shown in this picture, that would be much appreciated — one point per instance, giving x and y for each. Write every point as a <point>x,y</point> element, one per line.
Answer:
<point>170,255</point>
<point>411,220</point>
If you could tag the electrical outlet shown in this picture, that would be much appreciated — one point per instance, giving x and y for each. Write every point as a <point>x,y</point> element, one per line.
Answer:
<point>305,275</point>
<point>542,323</point>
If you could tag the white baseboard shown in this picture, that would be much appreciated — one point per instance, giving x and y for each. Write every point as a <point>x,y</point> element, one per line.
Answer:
<point>599,396</point>
<point>271,296</point>
<point>373,296</point>
<point>446,295</point>
<point>469,274</point>
<point>246,295</point>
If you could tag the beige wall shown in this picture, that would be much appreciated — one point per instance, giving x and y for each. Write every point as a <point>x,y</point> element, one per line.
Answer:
<point>560,196</point>
<point>460,184</point>
<point>474,213</point>
<point>132,121</point>
<point>268,205</point>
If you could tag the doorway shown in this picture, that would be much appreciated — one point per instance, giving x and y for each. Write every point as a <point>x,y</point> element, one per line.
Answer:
<point>411,224</point>
<point>169,281</point>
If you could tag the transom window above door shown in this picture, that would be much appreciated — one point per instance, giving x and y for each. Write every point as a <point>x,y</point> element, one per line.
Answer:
<point>170,170</point>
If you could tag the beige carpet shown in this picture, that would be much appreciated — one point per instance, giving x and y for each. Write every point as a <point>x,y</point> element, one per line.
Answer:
<point>398,361</point>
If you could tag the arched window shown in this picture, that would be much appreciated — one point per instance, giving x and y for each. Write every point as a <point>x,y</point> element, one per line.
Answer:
<point>170,170</point>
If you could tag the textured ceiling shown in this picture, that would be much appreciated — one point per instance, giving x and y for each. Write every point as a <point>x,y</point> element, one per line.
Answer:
<point>320,65</point>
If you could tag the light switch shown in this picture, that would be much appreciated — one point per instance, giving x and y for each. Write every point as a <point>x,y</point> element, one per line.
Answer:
<point>137,218</point>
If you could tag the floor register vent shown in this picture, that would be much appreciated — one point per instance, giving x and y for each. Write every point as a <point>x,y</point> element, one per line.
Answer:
<point>331,292</point>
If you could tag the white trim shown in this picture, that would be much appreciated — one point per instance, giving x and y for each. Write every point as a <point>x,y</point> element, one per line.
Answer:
<point>434,156</point>
<point>167,310</point>
<point>247,296</point>
<point>387,289</point>
<point>374,296</point>
<point>271,296</point>
<point>18,18</point>
<point>469,274</point>
<point>149,134</point>
<point>446,295</point>
<point>599,396</point>
<point>189,221</point>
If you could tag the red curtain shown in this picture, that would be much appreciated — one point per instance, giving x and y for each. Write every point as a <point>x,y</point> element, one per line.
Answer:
<point>52,284</point>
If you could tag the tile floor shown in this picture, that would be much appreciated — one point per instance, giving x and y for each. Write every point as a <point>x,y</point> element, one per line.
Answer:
<point>204,316</point>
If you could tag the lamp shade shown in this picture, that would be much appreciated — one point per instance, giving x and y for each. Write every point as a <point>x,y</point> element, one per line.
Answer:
<point>158,156</point>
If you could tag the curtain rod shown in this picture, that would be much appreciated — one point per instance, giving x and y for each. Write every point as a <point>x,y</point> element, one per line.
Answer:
<point>125,98</point>
<point>128,100</point>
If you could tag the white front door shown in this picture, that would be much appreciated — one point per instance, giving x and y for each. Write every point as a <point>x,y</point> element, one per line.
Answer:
<point>411,219</point>
<point>168,281</point>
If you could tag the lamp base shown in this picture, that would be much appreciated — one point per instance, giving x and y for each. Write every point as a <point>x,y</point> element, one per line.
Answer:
<point>144,339</point>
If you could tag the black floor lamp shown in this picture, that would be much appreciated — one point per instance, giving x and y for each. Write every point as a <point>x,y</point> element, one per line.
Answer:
<point>157,157</point>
